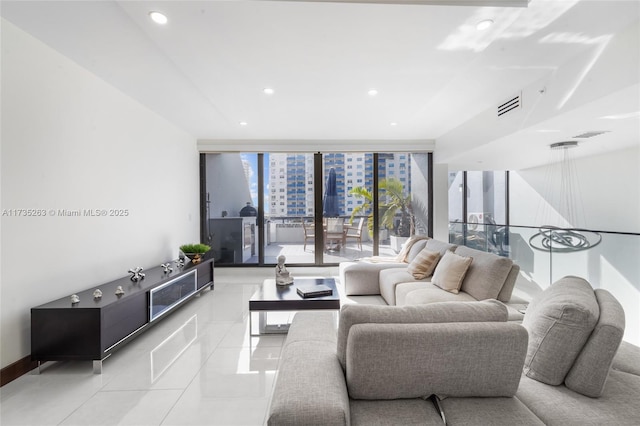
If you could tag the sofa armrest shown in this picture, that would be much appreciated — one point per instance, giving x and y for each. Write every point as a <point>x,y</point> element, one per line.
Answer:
<point>362,278</point>
<point>310,387</point>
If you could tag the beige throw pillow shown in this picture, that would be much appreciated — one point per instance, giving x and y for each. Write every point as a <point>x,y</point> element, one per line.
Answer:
<point>423,264</point>
<point>451,271</point>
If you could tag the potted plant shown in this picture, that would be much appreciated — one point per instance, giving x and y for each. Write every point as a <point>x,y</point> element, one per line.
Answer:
<point>194,251</point>
<point>397,203</point>
<point>393,202</point>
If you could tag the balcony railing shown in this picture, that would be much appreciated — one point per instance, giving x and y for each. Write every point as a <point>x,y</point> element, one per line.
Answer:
<point>608,260</point>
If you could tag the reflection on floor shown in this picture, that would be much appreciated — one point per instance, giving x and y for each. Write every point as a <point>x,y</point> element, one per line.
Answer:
<point>197,366</point>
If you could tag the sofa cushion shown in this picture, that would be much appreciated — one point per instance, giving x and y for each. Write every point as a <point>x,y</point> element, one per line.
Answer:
<point>486,275</point>
<point>590,370</point>
<point>627,359</point>
<point>405,412</point>
<point>390,278</point>
<point>362,278</point>
<point>432,294</point>
<point>560,406</point>
<point>559,321</point>
<point>393,361</point>
<point>488,411</point>
<point>451,271</point>
<point>440,246</point>
<point>423,264</point>
<point>489,310</point>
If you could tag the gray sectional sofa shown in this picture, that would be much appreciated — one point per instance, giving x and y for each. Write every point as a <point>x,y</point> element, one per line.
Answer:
<point>488,277</point>
<point>462,362</point>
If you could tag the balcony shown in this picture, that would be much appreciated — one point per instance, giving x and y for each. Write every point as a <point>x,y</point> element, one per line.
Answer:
<point>286,236</point>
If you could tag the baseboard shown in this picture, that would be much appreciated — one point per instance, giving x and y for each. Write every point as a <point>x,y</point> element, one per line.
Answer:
<point>17,369</point>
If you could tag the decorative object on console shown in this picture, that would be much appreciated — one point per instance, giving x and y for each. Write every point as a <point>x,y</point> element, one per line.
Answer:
<point>167,267</point>
<point>137,274</point>
<point>179,262</point>
<point>75,299</point>
<point>119,291</point>
<point>282,275</point>
<point>97,294</point>
<point>194,251</point>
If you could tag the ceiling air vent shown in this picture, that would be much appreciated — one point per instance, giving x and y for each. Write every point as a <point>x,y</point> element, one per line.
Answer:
<point>591,134</point>
<point>510,105</point>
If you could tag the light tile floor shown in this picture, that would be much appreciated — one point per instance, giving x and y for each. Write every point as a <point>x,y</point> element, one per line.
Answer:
<point>198,366</point>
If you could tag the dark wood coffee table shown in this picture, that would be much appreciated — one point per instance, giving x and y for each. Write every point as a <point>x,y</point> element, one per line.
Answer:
<point>272,298</point>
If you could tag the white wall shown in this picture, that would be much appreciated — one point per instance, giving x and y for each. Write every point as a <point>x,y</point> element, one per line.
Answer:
<point>70,141</point>
<point>609,187</point>
<point>610,190</point>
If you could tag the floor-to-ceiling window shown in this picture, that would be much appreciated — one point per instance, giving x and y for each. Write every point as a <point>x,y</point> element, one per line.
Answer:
<point>478,209</point>
<point>314,209</point>
<point>404,200</point>
<point>289,208</point>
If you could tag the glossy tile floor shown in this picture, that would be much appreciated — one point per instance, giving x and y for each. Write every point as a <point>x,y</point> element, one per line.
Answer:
<point>198,366</point>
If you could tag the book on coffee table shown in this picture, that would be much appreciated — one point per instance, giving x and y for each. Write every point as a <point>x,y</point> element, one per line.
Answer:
<point>314,290</point>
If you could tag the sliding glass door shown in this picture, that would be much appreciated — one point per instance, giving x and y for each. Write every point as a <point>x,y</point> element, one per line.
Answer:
<point>314,209</point>
<point>289,208</point>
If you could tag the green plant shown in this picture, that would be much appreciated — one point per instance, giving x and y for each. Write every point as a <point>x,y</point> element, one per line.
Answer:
<point>194,248</point>
<point>397,201</point>
<point>392,202</point>
<point>362,192</point>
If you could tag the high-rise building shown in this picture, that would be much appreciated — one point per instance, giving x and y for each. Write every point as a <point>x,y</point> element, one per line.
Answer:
<point>291,179</point>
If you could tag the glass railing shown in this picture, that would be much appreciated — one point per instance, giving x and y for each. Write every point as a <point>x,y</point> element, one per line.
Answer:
<point>608,260</point>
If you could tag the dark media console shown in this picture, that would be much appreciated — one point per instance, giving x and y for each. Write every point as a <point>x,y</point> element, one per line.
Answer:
<point>93,329</point>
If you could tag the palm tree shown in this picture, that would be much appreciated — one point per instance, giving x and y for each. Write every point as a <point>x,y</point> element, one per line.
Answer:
<point>395,201</point>
<point>362,192</point>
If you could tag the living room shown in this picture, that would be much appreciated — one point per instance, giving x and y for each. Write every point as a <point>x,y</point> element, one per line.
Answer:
<point>98,116</point>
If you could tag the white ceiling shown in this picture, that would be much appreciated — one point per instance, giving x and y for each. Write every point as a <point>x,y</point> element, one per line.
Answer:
<point>438,77</point>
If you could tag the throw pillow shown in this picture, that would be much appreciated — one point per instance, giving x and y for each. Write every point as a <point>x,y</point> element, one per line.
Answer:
<point>451,271</point>
<point>406,247</point>
<point>423,264</point>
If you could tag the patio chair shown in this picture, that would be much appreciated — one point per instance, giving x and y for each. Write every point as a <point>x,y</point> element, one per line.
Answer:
<point>334,233</point>
<point>309,232</point>
<point>355,232</point>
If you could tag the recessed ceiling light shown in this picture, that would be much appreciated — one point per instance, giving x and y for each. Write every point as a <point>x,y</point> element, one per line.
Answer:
<point>483,25</point>
<point>243,123</point>
<point>158,18</point>
<point>372,92</point>
<point>268,91</point>
<point>393,124</point>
